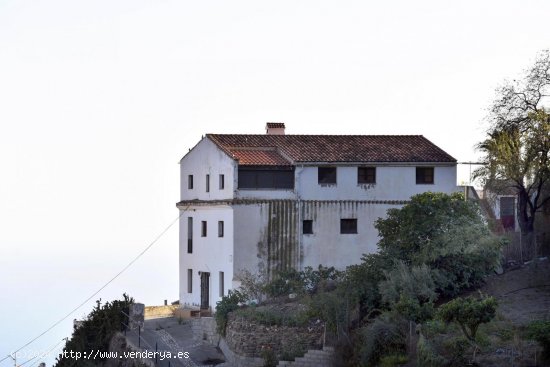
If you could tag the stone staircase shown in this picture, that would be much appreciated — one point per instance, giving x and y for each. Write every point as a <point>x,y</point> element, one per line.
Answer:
<point>313,358</point>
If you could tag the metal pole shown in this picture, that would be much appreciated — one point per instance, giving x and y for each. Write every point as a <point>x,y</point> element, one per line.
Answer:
<point>139,336</point>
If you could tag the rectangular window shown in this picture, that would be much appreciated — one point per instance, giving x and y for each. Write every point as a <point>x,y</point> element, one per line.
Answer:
<point>424,175</point>
<point>222,285</point>
<point>220,228</point>
<point>250,178</point>
<point>190,182</point>
<point>366,175</point>
<point>348,226</point>
<point>222,182</point>
<point>326,175</point>
<point>307,226</point>
<point>207,183</point>
<point>189,280</point>
<point>189,235</point>
<point>203,228</point>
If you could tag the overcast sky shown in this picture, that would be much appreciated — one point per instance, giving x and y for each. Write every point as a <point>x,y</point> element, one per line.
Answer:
<point>100,99</point>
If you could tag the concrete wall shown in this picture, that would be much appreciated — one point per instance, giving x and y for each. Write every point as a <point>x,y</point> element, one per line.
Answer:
<point>210,254</point>
<point>327,246</point>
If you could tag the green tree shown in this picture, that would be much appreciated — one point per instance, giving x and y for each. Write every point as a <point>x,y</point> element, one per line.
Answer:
<point>516,151</point>
<point>97,330</point>
<point>468,313</point>
<point>444,232</point>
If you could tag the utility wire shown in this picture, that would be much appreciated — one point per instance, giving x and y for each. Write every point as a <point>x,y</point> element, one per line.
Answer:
<point>45,354</point>
<point>100,289</point>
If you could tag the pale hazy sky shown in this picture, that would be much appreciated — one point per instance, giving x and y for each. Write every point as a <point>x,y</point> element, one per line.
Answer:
<point>100,99</point>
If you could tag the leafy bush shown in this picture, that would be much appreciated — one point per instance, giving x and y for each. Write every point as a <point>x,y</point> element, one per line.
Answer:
<point>273,317</point>
<point>393,360</point>
<point>292,352</point>
<point>540,331</point>
<point>412,282</point>
<point>444,232</point>
<point>285,282</point>
<point>413,310</point>
<point>468,313</point>
<point>308,281</point>
<point>385,336</point>
<point>226,305</point>
<point>252,285</point>
<point>426,354</point>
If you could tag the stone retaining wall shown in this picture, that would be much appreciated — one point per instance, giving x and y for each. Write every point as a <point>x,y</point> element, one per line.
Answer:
<point>249,339</point>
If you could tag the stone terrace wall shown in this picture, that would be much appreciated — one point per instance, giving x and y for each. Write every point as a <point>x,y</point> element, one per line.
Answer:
<point>247,338</point>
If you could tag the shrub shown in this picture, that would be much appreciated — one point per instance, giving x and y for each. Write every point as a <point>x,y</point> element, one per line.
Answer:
<point>226,305</point>
<point>98,329</point>
<point>252,285</point>
<point>426,354</point>
<point>385,336</point>
<point>393,360</point>
<point>468,313</point>
<point>284,283</point>
<point>540,331</point>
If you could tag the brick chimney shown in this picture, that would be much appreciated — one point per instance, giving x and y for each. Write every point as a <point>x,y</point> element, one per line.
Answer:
<point>275,128</point>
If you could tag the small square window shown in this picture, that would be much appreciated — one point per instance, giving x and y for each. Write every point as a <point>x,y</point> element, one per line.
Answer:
<point>348,226</point>
<point>207,183</point>
<point>190,182</point>
<point>326,175</point>
<point>366,175</point>
<point>307,226</point>
<point>222,182</point>
<point>203,228</point>
<point>424,175</point>
<point>220,228</point>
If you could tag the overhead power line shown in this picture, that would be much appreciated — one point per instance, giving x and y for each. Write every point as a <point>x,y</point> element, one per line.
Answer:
<point>100,289</point>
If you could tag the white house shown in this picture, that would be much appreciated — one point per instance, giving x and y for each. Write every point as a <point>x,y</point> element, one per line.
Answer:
<point>275,201</point>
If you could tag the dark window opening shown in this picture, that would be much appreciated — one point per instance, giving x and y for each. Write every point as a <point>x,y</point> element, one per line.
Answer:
<point>203,228</point>
<point>348,226</point>
<point>222,285</point>
<point>307,226</point>
<point>190,182</point>
<point>366,175</point>
<point>507,213</point>
<point>424,175</point>
<point>266,178</point>
<point>189,280</point>
<point>207,183</point>
<point>189,235</point>
<point>222,182</point>
<point>326,175</point>
<point>220,228</point>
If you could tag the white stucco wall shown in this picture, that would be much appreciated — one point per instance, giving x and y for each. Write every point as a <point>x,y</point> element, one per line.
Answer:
<point>210,254</point>
<point>327,246</point>
<point>206,158</point>
<point>392,183</point>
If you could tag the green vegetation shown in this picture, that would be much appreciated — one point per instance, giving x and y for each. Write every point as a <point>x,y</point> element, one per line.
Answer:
<point>468,313</point>
<point>433,248</point>
<point>96,331</point>
<point>516,152</point>
<point>540,331</point>
<point>226,305</point>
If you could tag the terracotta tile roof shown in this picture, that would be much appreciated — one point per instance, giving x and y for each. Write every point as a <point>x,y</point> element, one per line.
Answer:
<point>330,148</point>
<point>259,157</point>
